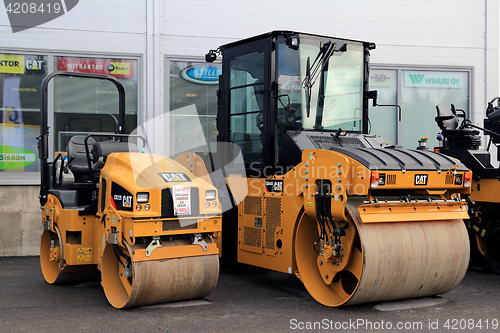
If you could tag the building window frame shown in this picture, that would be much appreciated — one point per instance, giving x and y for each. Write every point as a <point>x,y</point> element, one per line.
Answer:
<point>168,61</point>
<point>33,178</point>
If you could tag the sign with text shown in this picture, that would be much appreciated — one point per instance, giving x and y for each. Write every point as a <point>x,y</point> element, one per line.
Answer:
<point>122,69</point>
<point>16,157</point>
<point>182,199</point>
<point>289,83</point>
<point>11,63</point>
<point>22,64</point>
<point>381,78</point>
<point>202,74</point>
<point>434,79</point>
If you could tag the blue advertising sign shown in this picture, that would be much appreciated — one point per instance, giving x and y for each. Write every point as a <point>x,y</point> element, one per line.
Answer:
<point>202,74</point>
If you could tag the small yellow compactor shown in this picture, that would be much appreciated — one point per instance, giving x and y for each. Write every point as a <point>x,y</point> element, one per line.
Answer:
<point>141,222</point>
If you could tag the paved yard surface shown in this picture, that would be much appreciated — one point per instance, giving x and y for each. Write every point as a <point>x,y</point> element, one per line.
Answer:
<point>245,300</point>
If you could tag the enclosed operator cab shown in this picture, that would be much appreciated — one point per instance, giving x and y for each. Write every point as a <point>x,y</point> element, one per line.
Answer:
<point>286,81</point>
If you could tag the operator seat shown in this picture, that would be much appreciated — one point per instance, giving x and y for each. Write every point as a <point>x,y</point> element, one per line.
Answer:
<point>455,135</point>
<point>77,158</point>
<point>98,152</point>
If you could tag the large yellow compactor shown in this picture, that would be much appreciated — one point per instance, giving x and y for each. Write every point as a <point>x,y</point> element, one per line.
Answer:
<point>354,218</point>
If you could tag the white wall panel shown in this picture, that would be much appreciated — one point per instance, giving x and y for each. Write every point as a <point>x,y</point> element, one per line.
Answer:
<point>91,26</point>
<point>421,33</point>
<point>402,25</point>
<point>76,41</point>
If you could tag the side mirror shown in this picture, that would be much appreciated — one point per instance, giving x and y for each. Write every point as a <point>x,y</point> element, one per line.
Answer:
<point>211,56</point>
<point>373,95</point>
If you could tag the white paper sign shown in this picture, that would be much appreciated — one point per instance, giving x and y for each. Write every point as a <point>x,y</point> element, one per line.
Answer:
<point>182,199</point>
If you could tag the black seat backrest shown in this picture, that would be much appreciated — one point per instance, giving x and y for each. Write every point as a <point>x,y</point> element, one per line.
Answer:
<point>447,118</point>
<point>77,157</point>
<point>103,149</point>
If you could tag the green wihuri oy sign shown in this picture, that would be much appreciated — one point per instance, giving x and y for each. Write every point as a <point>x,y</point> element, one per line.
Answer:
<point>435,79</point>
<point>16,157</point>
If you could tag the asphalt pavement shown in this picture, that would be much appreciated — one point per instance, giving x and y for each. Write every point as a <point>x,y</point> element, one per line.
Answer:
<point>246,299</point>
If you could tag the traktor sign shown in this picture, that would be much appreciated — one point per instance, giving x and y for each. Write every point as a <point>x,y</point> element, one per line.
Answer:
<point>122,69</point>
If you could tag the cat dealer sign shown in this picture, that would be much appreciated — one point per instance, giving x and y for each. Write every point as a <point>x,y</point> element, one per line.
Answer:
<point>121,69</point>
<point>21,64</point>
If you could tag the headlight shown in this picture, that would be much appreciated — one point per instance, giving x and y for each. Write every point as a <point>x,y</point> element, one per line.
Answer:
<point>210,195</point>
<point>142,197</point>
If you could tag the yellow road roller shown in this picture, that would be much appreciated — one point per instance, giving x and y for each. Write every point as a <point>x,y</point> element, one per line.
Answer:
<point>461,139</point>
<point>355,219</point>
<point>141,222</point>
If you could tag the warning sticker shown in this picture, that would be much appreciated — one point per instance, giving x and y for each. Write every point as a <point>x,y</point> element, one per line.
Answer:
<point>84,254</point>
<point>84,250</point>
<point>182,199</point>
<point>84,258</point>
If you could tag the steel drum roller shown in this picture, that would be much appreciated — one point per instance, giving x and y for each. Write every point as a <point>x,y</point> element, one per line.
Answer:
<point>386,261</point>
<point>158,281</point>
